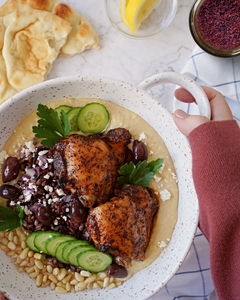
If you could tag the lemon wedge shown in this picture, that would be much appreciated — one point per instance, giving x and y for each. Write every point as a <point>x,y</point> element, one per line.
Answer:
<point>123,6</point>
<point>133,12</point>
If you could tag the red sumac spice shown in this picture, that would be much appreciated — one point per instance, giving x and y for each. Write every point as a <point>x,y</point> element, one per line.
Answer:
<point>218,22</point>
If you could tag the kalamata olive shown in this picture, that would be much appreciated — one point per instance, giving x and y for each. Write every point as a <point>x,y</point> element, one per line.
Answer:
<point>117,271</point>
<point>139,152</point>
<point>78,213</point>
<point>11,169</point>
<point>45,215</point>
<point>8,191</point>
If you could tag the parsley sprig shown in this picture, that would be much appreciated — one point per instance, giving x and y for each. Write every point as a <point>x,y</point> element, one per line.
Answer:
<point>10,220</point>
<point>141,174</point>
<point>50,127</point>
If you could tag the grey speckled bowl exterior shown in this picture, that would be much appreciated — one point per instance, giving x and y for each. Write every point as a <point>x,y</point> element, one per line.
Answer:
<point>151,279</point>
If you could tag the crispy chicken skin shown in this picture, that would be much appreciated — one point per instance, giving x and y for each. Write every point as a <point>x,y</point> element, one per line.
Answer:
<point>122,227</point>
<point>88,165</point>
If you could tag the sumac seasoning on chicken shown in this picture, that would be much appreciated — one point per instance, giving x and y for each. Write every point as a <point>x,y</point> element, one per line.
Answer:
<point>215,26</point>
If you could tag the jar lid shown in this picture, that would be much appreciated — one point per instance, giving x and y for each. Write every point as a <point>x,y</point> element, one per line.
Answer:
<point>215,26</point>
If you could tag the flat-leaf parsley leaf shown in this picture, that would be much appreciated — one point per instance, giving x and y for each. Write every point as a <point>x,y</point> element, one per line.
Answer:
<point>50,127</point>
<point>141,174</point>
<point>10,220</point>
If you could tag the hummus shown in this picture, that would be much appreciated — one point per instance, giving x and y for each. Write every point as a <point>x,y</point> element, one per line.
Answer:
<point>164,182</point>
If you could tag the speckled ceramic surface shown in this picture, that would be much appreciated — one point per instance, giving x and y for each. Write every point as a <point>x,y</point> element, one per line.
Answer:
<point>148,281</point>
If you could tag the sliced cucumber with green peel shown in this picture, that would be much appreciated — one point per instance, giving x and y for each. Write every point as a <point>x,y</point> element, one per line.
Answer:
<point>52,243</point>
<point>41,237</point>
<point>93,118</point>
<point>73,254</point>
<point>30,241</point>
<point>72,118</point>
<point>58,253</point>
<point>71,245</point>
<point>65,108</point>
<point>94,261</point>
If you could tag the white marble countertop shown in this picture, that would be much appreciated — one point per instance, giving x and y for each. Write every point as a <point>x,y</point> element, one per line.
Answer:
<point>128,59</point>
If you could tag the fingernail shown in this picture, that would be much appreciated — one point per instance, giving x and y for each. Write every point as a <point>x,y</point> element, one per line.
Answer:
<point>180,114</point>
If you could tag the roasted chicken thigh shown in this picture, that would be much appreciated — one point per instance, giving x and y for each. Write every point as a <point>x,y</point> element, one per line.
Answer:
<point>88,165</point>
<point>122,227</point>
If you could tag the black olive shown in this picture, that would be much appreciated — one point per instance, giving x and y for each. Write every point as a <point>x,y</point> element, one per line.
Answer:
<point>11,169</point>
<point>45,215</point>
<point>78,213</point>
<point>8,191</point>
<point>139,152</point>
<point>117,271</point>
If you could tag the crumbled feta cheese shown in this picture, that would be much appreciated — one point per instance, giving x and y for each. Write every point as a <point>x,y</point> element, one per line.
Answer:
<point>48,188</point>
<point>44,203</point>
<point>27,196</point>
<point>174,176</point>
<point>168,239</point>
<point>43,152</point>
<point>12,203</point>
<point>165,195</point>
<point>67,209</point>
<point>3,156</point>
<point>47,176</point>
<point>161,169</point>
<point>151,152</point>
<point>30,148</point>
<point>55,222</point>
<point>50,201</point>
<point>142,136</point>
<point>50,160</point>
<point>32,186</point>
<point>64,218</point>
<point>55,199</point>
<point>26,210</point>
<point>162,244</point>
<point>156,178</point>
<point>60,192</point>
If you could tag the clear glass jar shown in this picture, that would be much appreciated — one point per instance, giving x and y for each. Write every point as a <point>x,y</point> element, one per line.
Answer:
<point>215,26</point>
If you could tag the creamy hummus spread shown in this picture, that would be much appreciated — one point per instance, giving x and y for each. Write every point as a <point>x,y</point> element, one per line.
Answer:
<point>164,182</point>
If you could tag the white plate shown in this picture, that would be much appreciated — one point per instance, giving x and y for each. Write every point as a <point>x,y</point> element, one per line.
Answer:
<point>150,280</point>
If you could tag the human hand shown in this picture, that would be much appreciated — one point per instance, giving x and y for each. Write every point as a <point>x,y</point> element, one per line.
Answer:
<point>2,297</point>
<point>219,109</point>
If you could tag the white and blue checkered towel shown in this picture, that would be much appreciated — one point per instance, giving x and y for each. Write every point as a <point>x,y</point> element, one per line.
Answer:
<point>193,280</point>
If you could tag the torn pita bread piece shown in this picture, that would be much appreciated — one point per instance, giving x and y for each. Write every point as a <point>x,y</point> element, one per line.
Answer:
<point>82,35</point>
<point>32,42</point>
<point>6,90</point>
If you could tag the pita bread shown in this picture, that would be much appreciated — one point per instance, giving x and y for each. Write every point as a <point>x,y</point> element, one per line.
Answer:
<point>30,41</point>
<point>82,35</point>
<point>6,90</point>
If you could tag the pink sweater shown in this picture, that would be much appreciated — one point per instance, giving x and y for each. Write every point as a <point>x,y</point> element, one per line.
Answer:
<point>216,173</point>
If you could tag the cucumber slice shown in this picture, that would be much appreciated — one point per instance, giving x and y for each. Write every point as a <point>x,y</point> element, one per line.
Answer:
<point>52,243</point>
<point>73,254</point>
<point>30,241</point>
<point>41,237</point>
<point>72,118</point>
<point>93,118</point>
<point>72,245</point>
<point>58,252</point>
<point>94,261</point>
<point>65,108</point>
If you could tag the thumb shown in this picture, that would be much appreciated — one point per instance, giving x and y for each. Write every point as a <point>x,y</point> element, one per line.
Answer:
<point>186,123</point>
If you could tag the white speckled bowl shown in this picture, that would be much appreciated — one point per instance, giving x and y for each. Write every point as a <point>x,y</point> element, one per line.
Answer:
<point>147,282</point>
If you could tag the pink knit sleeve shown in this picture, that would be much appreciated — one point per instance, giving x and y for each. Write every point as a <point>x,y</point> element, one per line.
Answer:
<point>216,173</point>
